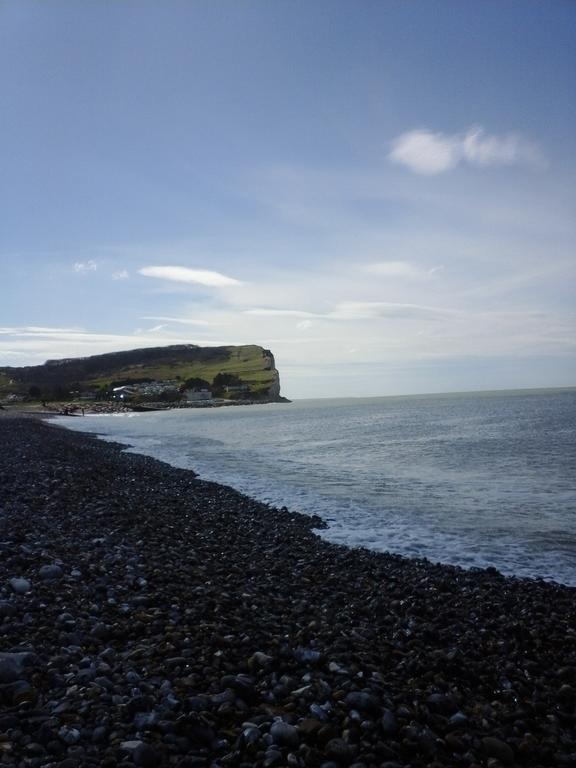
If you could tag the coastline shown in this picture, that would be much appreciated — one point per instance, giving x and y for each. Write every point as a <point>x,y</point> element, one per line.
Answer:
<point>186,624</point>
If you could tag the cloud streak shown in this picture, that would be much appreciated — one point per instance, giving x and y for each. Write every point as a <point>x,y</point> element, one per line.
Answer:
<point>358,310</point>
<point>366,310</point>
<point>192,276</point>
<point>400,269</point>
<point>263,312</point>
<point>85,266</point>
<point>428,153</point>
<point>179,320</point>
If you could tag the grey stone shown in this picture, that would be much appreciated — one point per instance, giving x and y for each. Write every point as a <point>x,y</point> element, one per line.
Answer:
<point>307,656</point>
<point>458,720</point>
<point>499,749</point>
<point>339,751</point>
<point>13,665</point>
<point>69,735</point>
<point>7,608</point>
<point>273,757</point>
<point>20,586</point>
<point>388,722</point>
<point>99,734</point>
<point>146,756</point>
<point>50,572</point>
<point>9,671</point>
<point>131,745</point>
<point>364,702</point>
<point>284,734</point>
<point>100,631</point>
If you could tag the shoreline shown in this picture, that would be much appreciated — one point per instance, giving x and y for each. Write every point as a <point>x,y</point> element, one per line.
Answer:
<point>552,574</point>
<point>186,624</point>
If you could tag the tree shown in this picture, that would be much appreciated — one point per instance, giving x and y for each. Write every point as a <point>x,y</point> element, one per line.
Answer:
<point>35,392</point>
<point>227,380</point>
<point>196,383</point>
<point>223,380</point>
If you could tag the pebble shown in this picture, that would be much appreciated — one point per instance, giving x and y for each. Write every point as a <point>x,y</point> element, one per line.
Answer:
<point>69,735</point>
<point>146,756</point>
<point>20,586</point>
<point>7,609</point>
<point>389,723</point>
<point>10,671</point>
<point>284,734</point>
<point>339,751</point>
<point>365,702</point>
<point>498,749</point>
<point>200,628</point>
<point>50,573</point>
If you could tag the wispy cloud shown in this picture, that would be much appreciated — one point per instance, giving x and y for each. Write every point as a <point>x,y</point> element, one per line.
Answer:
<point>180,320</point>
<point>37,330</point>
<point>85,266</point>
<point>364,310</point>
<point>186,275</point>
<point>38,343</point>
<point>429,153</point>
<point>481,149</point>
<point>358,310</point>
<point>263,312</point>
<point>121,274</point>
<point>400,269</point>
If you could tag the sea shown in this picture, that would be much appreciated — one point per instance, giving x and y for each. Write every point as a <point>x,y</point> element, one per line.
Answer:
<point>471,479</point>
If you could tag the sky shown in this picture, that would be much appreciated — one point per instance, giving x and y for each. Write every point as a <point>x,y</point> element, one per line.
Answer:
<point>380,192</point>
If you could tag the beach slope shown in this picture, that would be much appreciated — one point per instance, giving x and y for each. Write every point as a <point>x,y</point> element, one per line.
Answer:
<point>150,618</point>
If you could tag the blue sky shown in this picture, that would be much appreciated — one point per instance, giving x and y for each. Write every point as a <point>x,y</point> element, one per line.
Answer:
<point>380,192</point>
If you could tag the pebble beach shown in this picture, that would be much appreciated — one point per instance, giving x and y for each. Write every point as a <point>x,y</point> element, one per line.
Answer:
<point>149,618</point>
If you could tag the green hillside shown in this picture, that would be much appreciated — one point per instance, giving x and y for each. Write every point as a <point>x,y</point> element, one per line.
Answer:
<point>250,365</point>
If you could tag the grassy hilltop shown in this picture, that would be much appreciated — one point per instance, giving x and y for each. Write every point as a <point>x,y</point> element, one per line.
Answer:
<point>249,365</point>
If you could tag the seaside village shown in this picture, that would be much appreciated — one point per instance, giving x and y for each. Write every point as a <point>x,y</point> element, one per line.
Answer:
<point>148,395</point>
<point>128,393</point>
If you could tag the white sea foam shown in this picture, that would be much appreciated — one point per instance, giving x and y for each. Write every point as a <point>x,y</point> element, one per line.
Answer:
<point>469,480</point>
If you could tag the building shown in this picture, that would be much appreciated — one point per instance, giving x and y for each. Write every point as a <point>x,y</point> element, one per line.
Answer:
<point>198,395</point>
<point>124,393</point>
<point>237,389</point>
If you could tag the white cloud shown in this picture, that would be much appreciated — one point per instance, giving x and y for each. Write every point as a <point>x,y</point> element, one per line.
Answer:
<point>186,275</point>
<point>280,313</point>
<point>400,269</point>
<point>85,266</point>
<point>36,344</point>
<point>36,330</point>
<point>305,325</point>
<point>429,153</point>
<point>363,310</point>
<point>122,274</point>
<point>180,320</point>
<point>358,310</point>
<point>482,149</point>
<point>425,152</point>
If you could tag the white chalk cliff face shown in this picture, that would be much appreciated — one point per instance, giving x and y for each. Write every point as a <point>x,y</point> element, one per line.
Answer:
<point>274,388</point>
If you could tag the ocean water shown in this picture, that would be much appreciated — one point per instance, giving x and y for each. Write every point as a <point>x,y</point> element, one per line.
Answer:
<point>475,480</point>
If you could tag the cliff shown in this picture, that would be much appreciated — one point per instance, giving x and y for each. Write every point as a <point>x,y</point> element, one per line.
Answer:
<point>242,372</point>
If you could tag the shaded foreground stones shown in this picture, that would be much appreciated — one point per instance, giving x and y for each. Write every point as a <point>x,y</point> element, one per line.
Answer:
<point>166,621</point>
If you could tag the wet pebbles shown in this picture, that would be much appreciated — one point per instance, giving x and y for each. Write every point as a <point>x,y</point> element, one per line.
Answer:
<point>148,618</point>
